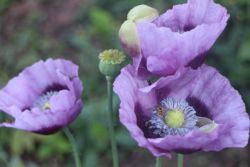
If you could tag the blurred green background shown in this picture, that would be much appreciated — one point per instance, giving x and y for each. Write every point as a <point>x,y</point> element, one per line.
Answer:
<point>78,30</point>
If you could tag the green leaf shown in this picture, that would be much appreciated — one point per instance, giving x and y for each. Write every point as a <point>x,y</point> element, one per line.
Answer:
<point>244,52</point>
<point>21,142</point>
<point>52,145</point>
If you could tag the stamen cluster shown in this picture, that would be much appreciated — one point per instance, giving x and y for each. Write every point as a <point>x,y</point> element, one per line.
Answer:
<point>172,117</point>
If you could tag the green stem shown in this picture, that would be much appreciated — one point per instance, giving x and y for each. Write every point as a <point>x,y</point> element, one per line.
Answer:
<point>74,148</point>
<point>111,123</point>
<point>158,162</point>
<point>180,160</point>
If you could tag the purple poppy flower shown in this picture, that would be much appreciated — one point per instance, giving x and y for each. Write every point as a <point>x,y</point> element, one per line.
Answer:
<point>44,97</point>
<point>189,111</point>
<point>187,31</point>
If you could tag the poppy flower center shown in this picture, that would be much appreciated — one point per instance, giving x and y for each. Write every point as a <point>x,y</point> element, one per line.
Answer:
<point>172,117</point>
<point>43,101</point>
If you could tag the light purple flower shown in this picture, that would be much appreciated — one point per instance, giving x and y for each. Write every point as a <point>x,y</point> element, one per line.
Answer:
<point>44,97</point>
<point>189,111</point>
<point>179,37</point>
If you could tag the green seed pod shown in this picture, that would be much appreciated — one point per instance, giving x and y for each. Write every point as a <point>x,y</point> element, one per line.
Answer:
<point>111,62</point>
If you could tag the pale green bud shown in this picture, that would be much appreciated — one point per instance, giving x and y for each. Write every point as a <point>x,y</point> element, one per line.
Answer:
<point>142,13</point>
<point>128,32</point>
<point>129,37</point>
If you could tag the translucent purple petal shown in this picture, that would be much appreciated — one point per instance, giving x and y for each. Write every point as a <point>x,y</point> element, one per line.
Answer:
<point>180,37</point>
<point>126,86</point>
<point>19,98</point>
<point>207,91</point>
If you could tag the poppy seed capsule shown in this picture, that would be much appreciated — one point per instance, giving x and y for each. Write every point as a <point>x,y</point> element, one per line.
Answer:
<point>174,118</point>
<point>111,62</point>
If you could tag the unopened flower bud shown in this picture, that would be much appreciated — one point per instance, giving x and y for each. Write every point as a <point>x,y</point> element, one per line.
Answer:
<point>111,62</point>
<point>128,32</point>
<point>129,37</point>
<point>142,13</point>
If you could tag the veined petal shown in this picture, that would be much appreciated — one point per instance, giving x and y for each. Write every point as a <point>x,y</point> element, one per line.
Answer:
<point>180,37</point>
<point>225,123</point>
<point>126,86</point>
<point>44,97</point>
